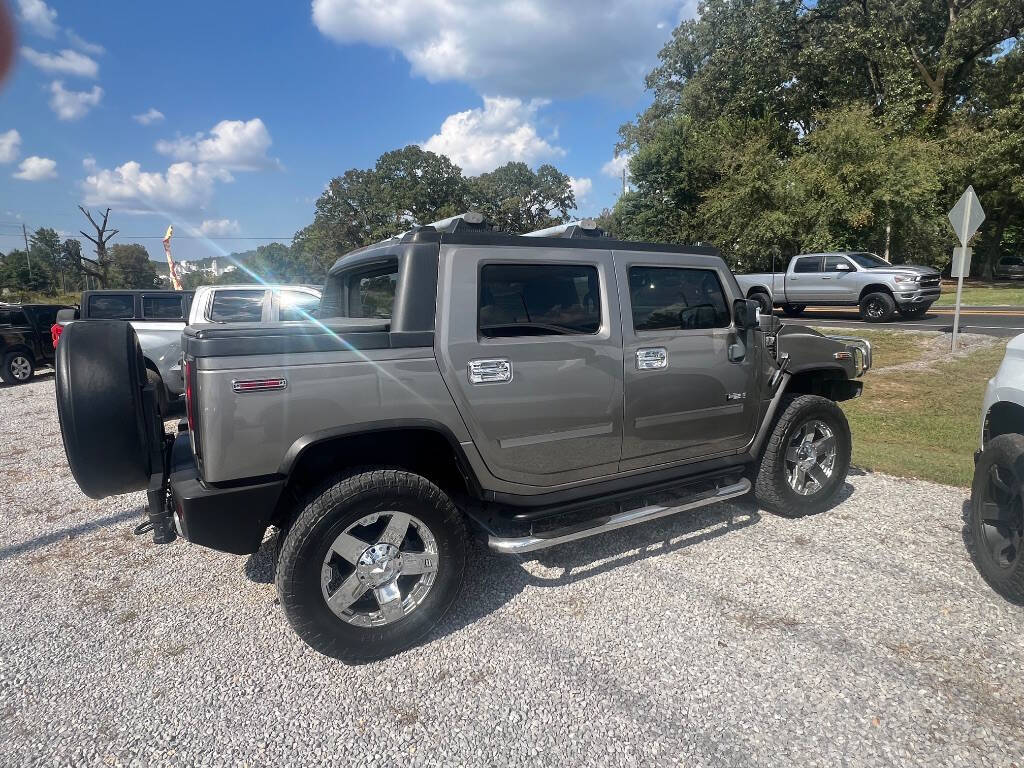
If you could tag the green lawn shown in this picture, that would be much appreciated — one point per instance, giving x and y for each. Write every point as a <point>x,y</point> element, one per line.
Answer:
<point>983,294</point>
<point>920,423</point>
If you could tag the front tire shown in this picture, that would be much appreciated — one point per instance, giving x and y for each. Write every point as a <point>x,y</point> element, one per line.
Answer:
<point>877,308</point>
<point>996,518</point>
<point>371,564</point>
<point>806,458</point>
<point>18,368</point>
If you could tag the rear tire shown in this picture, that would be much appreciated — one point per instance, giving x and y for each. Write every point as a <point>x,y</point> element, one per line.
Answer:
<point>337,574</point>
<point>996,519</point>
<point>18,368</point>
<point>787,460</point>
<point>764,302</point>
<point>877,308</point>
<point>793,310</point>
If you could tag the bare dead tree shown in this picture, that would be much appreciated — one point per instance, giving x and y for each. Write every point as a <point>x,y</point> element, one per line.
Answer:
<point>100,265</point>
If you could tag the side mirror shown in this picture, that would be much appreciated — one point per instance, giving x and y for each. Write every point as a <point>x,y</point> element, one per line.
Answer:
<point>843,267</point>
<point>744,313</point>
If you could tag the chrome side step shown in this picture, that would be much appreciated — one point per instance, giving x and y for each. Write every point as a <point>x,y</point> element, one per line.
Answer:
<point>547,539</point>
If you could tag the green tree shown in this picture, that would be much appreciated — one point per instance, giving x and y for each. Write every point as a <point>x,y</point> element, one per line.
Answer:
<point>518,199</point>
<point>130,267</point>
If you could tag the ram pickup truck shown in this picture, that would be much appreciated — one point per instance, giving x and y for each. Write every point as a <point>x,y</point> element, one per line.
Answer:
<point>536,390</point>
<point>159,317</point>
<point>25,341</point>
<point>848,278</point>
<point>996,516</point>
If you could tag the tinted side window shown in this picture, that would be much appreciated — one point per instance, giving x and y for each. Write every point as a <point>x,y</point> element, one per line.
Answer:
<point>112,307</point>
<point>297,305</point>
<point>15,317</point>
<point>808,264</point>
<point>676,298</point>
<point>239,306</point>
<point>373,295</point>
<point>539,300</point>
<point>162,308</point>
<point>832,263</point>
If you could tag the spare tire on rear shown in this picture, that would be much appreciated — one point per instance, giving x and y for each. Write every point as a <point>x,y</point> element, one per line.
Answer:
<point>108,438</point>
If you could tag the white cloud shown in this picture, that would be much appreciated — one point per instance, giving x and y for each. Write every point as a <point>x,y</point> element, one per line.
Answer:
<point>36,168</point>
<point>73,105</point>
<point>84,45</point>
<point>580,188</point>
<point>67,62</point>
<point>10,145</point>
<point>184,187</point>
<point>89,163</point>
<point>616,165</point>
<point>234,144</point>
<point>219,227</point>
<point>518,47</point>
<point>38,15</point>
<point>483,138</point>
<point>149,117</point>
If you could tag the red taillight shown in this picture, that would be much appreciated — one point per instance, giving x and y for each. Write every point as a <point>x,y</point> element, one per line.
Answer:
<point>190,395</point>
<point>55,331</point>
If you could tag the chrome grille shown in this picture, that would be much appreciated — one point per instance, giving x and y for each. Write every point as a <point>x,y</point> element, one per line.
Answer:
<point>929,281</point>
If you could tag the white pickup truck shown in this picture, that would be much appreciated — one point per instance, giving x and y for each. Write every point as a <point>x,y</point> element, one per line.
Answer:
<point>159,317</point>
<point>846,278</point>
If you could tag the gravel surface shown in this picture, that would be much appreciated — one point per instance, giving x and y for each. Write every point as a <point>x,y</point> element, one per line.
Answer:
<point>862,636</point>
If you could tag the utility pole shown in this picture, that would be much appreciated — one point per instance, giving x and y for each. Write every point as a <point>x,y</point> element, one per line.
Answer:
<point>24,233</point>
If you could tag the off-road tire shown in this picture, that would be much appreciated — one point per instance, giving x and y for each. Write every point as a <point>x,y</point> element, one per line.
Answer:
<point>161,391</point>
<point>14,367</point>
<point>771,487</point>
<point>764,302</point>
<point>793,310</point>
<point>1006,451</point>
<point>914,312</point>
<point>344,501</point>
<point>877,308</point>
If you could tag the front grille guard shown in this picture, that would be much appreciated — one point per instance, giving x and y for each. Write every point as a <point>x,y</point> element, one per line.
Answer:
<point>861,351</point>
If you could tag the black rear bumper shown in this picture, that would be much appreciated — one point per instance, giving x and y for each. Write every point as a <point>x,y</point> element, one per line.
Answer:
<point>227,518</point>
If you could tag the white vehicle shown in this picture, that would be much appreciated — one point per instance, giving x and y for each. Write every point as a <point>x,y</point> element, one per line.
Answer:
<point>249,303</point>
<point>996,519</point>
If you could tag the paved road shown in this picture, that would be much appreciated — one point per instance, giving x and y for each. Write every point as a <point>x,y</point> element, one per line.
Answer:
<point>990,321</point>
<point>860,637</point>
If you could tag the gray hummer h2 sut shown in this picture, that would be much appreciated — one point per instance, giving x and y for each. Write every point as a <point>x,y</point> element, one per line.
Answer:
<point>535,389</point>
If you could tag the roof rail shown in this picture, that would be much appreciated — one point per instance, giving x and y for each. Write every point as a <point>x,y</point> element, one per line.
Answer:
<point>473,219</point>
<point>571,229</point>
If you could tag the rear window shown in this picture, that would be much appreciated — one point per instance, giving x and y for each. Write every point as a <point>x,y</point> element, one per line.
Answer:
<point>539,300</point>
<point>368,292</point>
<point>239,306</point>
<point>116,307</point>
<point>162,308</point>
<point>297,305</point>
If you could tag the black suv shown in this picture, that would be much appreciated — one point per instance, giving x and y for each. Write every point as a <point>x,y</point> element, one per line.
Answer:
<point>25,340</point>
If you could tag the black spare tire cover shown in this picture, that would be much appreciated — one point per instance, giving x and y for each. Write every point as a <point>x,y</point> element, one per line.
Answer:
<point>100,376</point>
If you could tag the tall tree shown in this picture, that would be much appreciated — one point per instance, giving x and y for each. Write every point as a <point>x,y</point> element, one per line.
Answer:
<point>99,267</point>
<point>518,199</point>
<point>130,267</point>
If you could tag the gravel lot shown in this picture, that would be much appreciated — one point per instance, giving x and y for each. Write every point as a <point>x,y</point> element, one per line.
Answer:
<point>862,636</point>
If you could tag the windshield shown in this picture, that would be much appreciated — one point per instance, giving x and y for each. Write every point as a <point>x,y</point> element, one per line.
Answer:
<point>869,260</point>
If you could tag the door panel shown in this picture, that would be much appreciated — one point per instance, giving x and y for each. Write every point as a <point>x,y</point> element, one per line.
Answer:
<point>547,408</point>
<point>838,285</point>
<point>808,286</point>
<point>692,403</point>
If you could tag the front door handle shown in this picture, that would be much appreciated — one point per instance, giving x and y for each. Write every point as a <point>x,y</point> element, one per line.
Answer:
<point>490,371</point>
<point>651,358</point>
<point>826,277</point>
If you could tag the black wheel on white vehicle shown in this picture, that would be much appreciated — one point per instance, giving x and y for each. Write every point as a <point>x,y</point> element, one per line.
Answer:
<point>806,458</point>
<point>877,308</point>
<point>996,518</point>
<point>764,302</point>
<point>371,564</point>
<point>17,368</point>
<point>100,380</point>
<point>793,310</point>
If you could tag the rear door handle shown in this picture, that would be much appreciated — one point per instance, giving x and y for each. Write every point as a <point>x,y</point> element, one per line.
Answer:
<point>490,371</point>
<point>651,358</point>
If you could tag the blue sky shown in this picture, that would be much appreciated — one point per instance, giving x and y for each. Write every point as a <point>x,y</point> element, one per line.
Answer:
<point>228,118</point>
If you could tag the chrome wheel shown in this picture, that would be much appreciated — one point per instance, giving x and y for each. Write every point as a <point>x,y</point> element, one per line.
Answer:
<point>379,569</point>
<point>875,309</point>
<point>810,457</point>
<point>1002,517</point>
<point>21,368</point>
